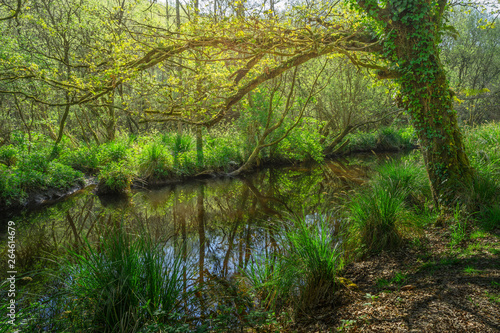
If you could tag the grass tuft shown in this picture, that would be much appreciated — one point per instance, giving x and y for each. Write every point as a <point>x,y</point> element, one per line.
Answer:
<point>304,275</point>
<point>126,282</point>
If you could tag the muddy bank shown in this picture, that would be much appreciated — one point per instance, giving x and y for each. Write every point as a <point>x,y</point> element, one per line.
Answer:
<point>47,197</point>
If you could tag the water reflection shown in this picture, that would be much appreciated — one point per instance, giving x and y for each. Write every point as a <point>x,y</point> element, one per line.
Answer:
<point>220,224</point>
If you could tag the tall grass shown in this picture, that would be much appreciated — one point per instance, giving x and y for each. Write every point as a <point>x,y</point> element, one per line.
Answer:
<point>115,178</point>
<point>483,195</point>
<point>303,275</point>
<point>124,284</point>
<point>380,214</point>
<point>313,260</point>
<point>377,216</point>
<point>408,176</point>
<point>385,138</point>
<point>155,162</point>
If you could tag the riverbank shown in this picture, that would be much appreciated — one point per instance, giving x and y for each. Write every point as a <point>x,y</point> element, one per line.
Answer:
<point>333,247</point>
<point>29,178</point>
<point>425,287</point>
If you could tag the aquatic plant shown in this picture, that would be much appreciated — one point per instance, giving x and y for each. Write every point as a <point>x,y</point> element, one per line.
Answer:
<point>123,284</point>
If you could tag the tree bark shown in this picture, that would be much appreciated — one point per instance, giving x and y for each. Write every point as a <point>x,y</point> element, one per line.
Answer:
<point>410,46</point>
<point>428,99</point>
<point>435,122</point>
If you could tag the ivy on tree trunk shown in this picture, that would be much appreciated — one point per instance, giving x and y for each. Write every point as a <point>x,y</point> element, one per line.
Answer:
<point>409,31</point>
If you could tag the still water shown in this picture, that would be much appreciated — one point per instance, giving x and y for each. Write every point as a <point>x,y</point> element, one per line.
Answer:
<point>222,221</point>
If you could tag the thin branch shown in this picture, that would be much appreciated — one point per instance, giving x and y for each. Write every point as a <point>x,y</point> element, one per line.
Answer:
<point>16,12</point>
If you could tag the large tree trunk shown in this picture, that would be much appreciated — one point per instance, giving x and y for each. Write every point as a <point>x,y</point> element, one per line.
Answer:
<point>410,39</point>
<point>443,149</point>
<point>427,97</point>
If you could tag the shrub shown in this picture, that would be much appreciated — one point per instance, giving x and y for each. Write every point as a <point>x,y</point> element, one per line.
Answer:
<point>113,151</point>
<point>222,152</point>
<point>84,158</point>
<point>302,143</point>
<point>386,138</point>
<point>62,176</point>
<point>155,162</point>
<point>8,155</point>
<point>11,192</point>
<point>114,178</point>
<point>361,141</point>
<point>34,173</point>
<point>187,163</point>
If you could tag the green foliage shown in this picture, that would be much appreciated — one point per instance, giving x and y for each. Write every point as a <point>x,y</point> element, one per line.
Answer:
<point>62,176</point>
<point>186,163</point>
<point>377,217</point>
<point>31,171</point>
<point>22,317</point>
<point>125,284</point>
<point>115,177</point>
<point>483,194</point>
<point>489,217</point>
<point>178,143</point>
<point>304,275</point>
<point>8,155</point>
<point>155,162</point>
<point>223,149</point>
<point>302,143</point>
<point>85,158</point>
<point>458,227</point>
<point>314,250</point>
<point>482,144</point>
<point>383,139</point>
<point>379,213</point>
<point>472,59</point>
<point>11,192</point>
<point>114,151</point>
<point>405,175</point>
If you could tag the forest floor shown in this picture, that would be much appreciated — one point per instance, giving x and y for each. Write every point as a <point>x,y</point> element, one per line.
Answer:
<point>427,286</point>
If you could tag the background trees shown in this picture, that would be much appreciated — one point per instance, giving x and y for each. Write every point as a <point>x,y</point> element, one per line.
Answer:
<point>92,70</point>
<point>472,58</point>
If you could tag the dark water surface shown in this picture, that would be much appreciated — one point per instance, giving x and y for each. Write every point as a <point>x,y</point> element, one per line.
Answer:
<point>221,221</point>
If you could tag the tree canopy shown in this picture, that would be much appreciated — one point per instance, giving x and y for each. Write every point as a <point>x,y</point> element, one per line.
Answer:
<point>194,63</point>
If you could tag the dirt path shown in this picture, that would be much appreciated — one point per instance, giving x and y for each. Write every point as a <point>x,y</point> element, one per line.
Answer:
<point>425,287</point>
